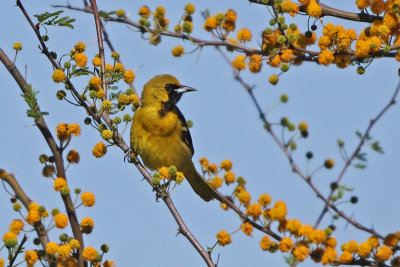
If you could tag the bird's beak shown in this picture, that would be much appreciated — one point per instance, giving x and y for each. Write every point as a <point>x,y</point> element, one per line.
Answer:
<point>183,89</point>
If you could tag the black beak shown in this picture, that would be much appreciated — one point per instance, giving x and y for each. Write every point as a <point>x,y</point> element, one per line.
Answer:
<point>183,89</point>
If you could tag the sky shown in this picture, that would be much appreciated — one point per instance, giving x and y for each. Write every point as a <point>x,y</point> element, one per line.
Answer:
<point>140,231</point>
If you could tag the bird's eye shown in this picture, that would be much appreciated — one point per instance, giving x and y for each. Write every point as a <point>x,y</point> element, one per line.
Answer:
<point>168,87</point>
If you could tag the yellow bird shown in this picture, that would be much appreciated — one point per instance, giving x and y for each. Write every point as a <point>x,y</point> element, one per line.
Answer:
<point>160,135</point>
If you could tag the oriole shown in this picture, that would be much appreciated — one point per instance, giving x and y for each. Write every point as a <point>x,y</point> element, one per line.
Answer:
<point>160,135</point>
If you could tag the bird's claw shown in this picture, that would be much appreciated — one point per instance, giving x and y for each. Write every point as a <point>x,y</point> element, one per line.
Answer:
<point>131,156</point>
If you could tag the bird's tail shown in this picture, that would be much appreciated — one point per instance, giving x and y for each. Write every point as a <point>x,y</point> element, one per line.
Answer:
<point>200,185</point>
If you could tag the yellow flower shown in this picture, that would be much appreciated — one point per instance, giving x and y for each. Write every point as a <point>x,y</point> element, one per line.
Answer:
<point>16,226</point>
<point>223,238</point>
<point>33,216</point>
<point>255,63</point>
<point>303,126</point>
<point>286,244</point>
<point>88,199</point>
<point>58,76</point>
<point>118,67</point>
<point>226,164</point>
<point>239,62</point>
<point>265,242</point>
<point>74,128</point>
<point>278,212</point>
<point>189,9</point>
<point>17,46</point>
<point>326,57</point>
<point>313,9</point>
<point>179,177</point>
<point>108,264</point>
<point>301,253</point>
<point>210,24</point>
<point>59,183</point>
<point>346,257</point>
<point>215,182</point>
<point>377,6</point>
<point>329,163</point>
<point>129,76</point>
<point>61,220</point>
<point>80,60</point>
<point>203,162</point>
<point>230,15</point>
<point>99,150</point>
<point>62,132</point>
<point>264,200</point>
<point>317,236</point>
<point>80,47</point>
<point>108,68</point>
<point>144,11</point>
<point>31,257</point>
<point>51,248</point>
<point>273,79</point>
<point>293,226</point>
<point>134,99</point>
<point>244,197</point>
<point>254,210</point>
<point>373,241</point>
<point>96,62</point>
<point>95,82</point>
<point>64,251</point>
<point>229,177</point>
<point>247,228</point>
<point>74,244</point>
<point>107,134</point>
<point>106,104</point>
<point>68,262</point>
<point>244,35</point>
<point>164,172</point>
<point>383,253</point>
<point>391,240</point>
<point>330,242</point>
<point>89,253</point>
<point>9,235</point>
<point>329,256</point>
<point>100,94</point>
<point>120,13</point>
<point>212,168</point>
<point>288,6</point>
<point>2,263</point>
<point>87,225</point>
<point>73,156</point>
<point>364,249</point>
<point>362,4</point>
<point>123,99</point>
<point>177,51</point>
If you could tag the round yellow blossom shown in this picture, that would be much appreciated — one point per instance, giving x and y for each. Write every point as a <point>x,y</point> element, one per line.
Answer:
<point>326,57</point>
<point>144,11</point>
<point>129,76</point>
<point>58,76</point>
<point>88,199</point>
<point>80,47</point>
<point>99,150</point>
<point>210,24</point>
<point>364,249</point>
<point>275,61</point>
<point>179,177</point>
<point>264,200</point>
<point>362,4</point>
<point>287,55</point>
<point>313,9</point>
<point>350,246</point>
<point>255,63</point>
<point>124,99</point>
<point>106,104</point>
<point>9,235</point>
<point>373,241</point>
<point>239,62</point>
<point>164,172</point>
<point>345,257</point>
<point>303,126</point>
<point>293,226</point>
<point>2,263</point>
<point>278,212</point>
<point>74,128</point>
<point>265,242</point>
<point>203,162</point>
<point>100,94</point>
<point>134,99</point>
<point>31,257</point>
<point>51,248</point>
<point>273,79</point>
<point>120,13</point>
<point>229,177</point>
<point>342,61</point>
<point>212,168</point>
<point>178,51</point>
<point>17,46</point>
<point>331,242</point>
<point>73,156</point>
<point>317,236</point>
<point>247,228</point>
<point>80,60</point>
<point>95,82</point>
<point>118,67</point>
<point>215,182</point>
<point>61,220</point>
<point>391,240</point>
<point>87,225</point>
<point>244,197</point>
<point>254,210</point>
<point>377,6</point>
<point>383,253</point>
<point>68,262</point>
<point>74,244</point>
<point>64,251</point>
<point>226,164</point>
<point>324,42</point>
<point>108,68</point>
<point>16,226</point>
<point>224,206</point>
<point>230,15</point>
<point>33,216</point>
<point>244,35</point>
<point>223,238</point>
<point>96,62</point>
<point>301,253</point>
<point>329,163</point>
<point>286,244</point>
<point>329,256</point>
<point>189,9</point>
<point>391,20</point>
<point>59,183</point>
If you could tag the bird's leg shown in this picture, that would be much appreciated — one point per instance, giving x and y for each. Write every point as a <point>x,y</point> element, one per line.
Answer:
<point>131,156</point>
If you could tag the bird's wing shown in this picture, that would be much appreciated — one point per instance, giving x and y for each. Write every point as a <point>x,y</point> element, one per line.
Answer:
<point>185,134</point>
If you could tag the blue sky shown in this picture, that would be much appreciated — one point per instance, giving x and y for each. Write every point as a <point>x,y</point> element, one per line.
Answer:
<point>141,232</point>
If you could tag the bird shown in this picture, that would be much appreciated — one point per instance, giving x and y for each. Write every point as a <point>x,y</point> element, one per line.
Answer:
<point>160,134</point>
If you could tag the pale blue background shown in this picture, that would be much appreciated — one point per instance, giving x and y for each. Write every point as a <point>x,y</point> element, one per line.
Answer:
<point>140,231</point>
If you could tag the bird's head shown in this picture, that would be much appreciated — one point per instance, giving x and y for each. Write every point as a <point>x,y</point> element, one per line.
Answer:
<point>164,88</point>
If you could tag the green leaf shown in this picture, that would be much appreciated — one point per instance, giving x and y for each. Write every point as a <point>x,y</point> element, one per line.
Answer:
<point>362,156</point>
<point>46,15</point>
<point>103,14</point>
<point>359,134</point>
<point>30,98</point>
<point>376,147</point>
<point>290,259</point>
<point>360,166</point>
<point>80,72</point>
<point>52,19</point>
